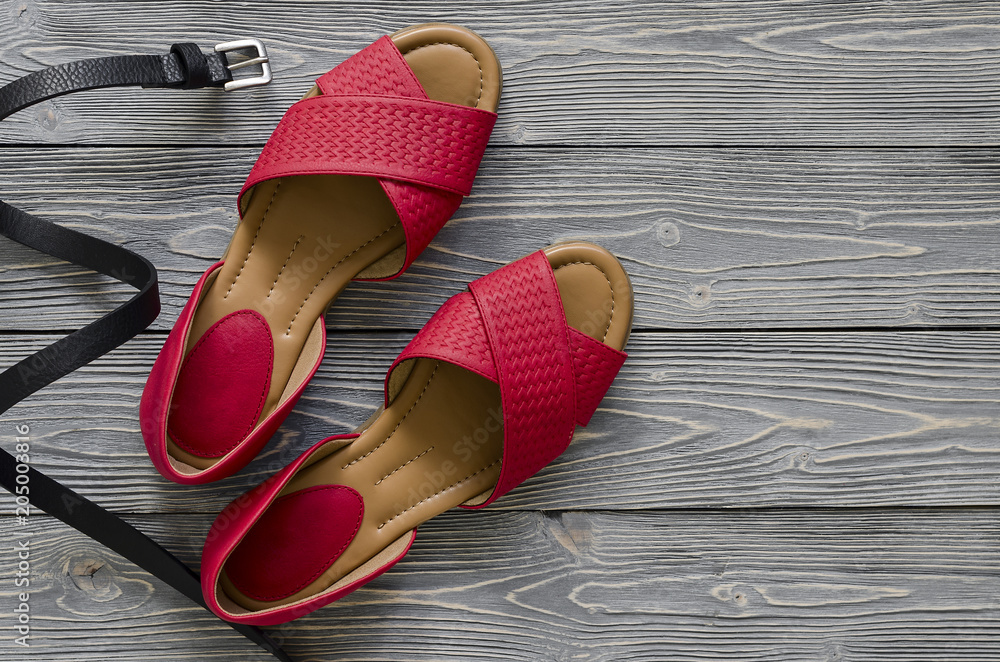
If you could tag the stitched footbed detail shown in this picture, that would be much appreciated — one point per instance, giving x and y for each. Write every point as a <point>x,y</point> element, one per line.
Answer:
<point>389,436</point>
<point>437,445</point>
<point>253,242</point>
<point>301,241</point>
<point>285,264</point>
<point>457,483</point>
<point>479,65</point>
<point>330,270</point>
<point>408,462</point>
<point>611,291</point>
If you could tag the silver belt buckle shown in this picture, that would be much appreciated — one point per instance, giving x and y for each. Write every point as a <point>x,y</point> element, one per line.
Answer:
<point>261,58</point>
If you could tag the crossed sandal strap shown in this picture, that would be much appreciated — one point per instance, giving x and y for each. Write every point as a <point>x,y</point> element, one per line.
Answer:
<point>510,328</point>
<point>374,119</point>
<point>419,141</point>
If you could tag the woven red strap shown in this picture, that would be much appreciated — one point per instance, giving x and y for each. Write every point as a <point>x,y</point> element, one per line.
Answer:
<point>374,119</point>
<point>511,329</point>
<point>418,141</point>
<point>526,328</point>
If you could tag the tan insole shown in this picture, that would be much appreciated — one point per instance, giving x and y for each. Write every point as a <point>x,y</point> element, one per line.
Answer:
<point>303,239</point>
<point>439,442</point>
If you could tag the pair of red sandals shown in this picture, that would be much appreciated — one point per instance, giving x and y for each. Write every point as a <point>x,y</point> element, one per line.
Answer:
<point>356,180</point>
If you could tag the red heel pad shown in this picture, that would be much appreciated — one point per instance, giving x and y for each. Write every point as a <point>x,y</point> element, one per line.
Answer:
<point>222,385</point>
<point>295,541</point>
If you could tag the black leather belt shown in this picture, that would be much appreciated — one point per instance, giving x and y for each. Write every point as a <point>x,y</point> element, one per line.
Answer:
<point>185,67</point>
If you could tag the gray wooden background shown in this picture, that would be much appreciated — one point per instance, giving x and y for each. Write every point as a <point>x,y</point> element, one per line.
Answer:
<point>799,461</point>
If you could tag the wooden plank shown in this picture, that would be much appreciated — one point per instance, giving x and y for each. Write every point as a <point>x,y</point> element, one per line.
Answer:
<point>693,420</point>
<point>778,585</point>
<point>917,72</point>
<point>712,238</point>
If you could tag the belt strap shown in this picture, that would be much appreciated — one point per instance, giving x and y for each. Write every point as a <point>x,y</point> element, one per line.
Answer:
<point>184,67</point>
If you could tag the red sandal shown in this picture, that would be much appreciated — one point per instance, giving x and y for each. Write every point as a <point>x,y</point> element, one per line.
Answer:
<point>354,183</point>
<point>488,393</point>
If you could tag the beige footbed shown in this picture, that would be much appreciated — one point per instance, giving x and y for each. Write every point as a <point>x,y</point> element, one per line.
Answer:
<point>303,239</point>
<point>438,444</point>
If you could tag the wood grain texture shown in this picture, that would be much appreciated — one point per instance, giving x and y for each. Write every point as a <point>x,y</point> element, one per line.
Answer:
<point>818,170</point>
<point>693,420</point>
<point>711,237</point>
<point>669,73</point>
<point>593,587</point>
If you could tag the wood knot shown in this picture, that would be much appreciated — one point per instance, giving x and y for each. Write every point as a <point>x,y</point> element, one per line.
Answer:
<point>667,234</point>
<point>94,578</point>
<point>732,593</point>
<point>92,586</point>
<point>47,117</point>
<point>701,295</point>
